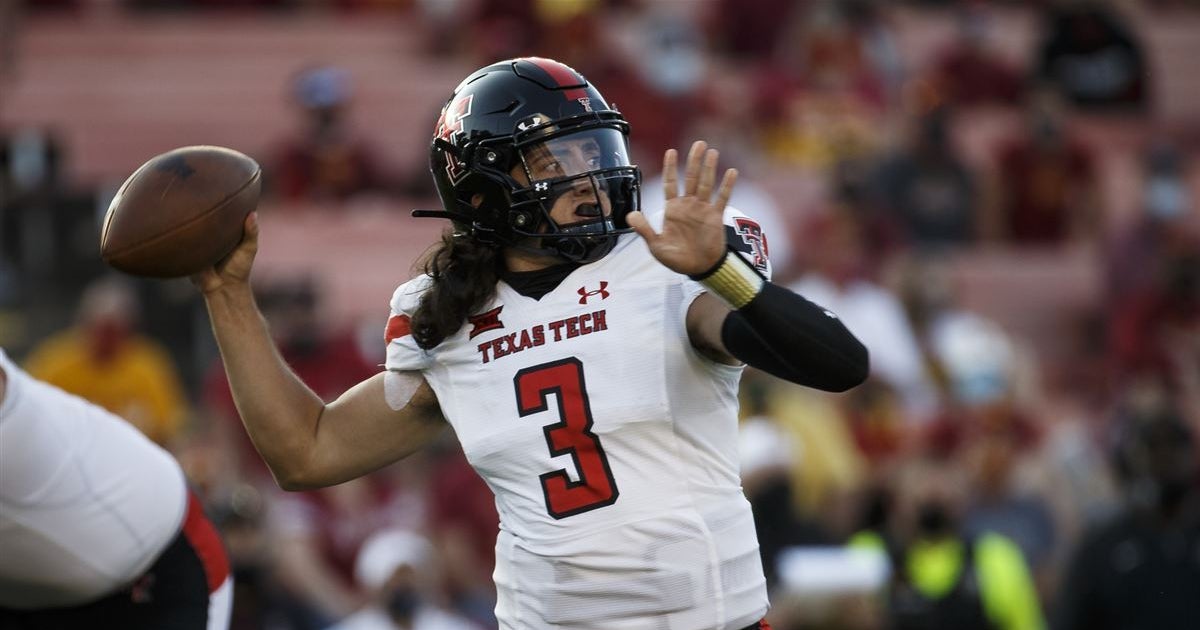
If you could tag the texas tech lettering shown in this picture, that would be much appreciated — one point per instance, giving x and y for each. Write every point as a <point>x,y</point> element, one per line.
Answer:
<point>541,334</point>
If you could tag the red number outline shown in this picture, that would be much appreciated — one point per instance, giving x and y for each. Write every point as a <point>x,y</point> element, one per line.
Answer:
<point>571,435</point>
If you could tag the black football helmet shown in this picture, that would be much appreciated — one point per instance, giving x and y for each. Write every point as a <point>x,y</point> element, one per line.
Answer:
<point>515,137</point>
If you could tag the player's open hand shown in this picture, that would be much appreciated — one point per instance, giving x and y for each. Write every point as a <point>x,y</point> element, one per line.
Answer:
<point>692,240</point>
<point>234,269</point>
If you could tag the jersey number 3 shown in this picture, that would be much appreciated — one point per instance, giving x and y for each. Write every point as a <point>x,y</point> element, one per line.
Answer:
<point>571,435</point>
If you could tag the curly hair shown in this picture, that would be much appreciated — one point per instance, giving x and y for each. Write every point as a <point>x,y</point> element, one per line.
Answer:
<point>464,273</point>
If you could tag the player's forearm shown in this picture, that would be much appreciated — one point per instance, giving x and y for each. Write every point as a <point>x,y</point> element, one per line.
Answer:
<point>781,333</point>
<point>787,336</point>
<point>279,411</point>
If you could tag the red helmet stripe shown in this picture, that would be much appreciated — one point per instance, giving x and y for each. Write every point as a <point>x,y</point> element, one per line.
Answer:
<point>562,75</point>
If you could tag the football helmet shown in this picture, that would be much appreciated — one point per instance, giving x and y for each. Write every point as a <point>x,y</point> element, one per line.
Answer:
<point>516,136</point>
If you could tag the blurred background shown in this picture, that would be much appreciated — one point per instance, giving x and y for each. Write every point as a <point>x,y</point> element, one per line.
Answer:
<point>999,198</point>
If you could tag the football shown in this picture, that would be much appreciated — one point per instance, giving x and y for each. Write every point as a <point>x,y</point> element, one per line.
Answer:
<point>180,212</point>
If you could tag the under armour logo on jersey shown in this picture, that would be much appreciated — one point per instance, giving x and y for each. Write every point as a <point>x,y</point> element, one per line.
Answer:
<point>584,294</point>
<point>541,186</point>
<point>484,322</point>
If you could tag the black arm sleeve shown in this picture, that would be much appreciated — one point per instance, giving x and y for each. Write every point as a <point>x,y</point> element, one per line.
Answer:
<point>787,336</point>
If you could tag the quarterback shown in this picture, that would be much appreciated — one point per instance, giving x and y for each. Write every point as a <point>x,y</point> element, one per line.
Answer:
<point>586,355</point>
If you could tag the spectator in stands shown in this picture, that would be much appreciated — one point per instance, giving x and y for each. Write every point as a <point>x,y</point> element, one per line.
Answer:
<point>1154,277</point>
<point>829,469</point>
<point>1091,54</point>
<point>877,420</point>
<point>767,454</point>
<point>326,161</point>
<point>43,212</point>
<point>462,523</point>
<point>1046,190</point>
<point>969,72</point>
<point>1153,290</point>
<point>258,601</point>
<point>928,188</point>
<point>941,576</point>
<point>837,278</point>
<point>1001,503</point>
<point>1139,569</point>
<point>751,30</point>
<point>104,359</point>
<point>820,102</point>
<point>1168,222</point>
<point>399,570</point>
<point>318,534</point>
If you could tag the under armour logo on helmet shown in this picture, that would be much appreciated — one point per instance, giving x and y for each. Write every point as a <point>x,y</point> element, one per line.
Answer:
<point>530,123</point>
<point>541,186</point>
<point>584,294</point>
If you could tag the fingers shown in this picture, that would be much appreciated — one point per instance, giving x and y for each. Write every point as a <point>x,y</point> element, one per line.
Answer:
<point>691,172</point>
<point>638,222</point>
<point>671,174</point>
<point>250,227</point>
<point>249,244</point>
<point>726,189</point>
<point>234,268</point>
<point>708,175</point>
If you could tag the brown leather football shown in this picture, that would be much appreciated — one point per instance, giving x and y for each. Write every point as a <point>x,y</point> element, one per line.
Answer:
<point>180,212</point>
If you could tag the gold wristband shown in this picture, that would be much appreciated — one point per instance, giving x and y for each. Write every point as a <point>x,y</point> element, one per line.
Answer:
<point>734,281</point>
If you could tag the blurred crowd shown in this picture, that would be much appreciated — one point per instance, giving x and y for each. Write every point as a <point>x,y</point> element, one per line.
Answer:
<point>1024,454</point>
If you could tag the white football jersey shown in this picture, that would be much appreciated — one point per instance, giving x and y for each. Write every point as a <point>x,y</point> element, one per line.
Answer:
<point>609,442</point>
<point>87,503</point>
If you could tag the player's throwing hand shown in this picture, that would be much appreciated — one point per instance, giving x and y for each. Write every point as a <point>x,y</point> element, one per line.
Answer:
<point>692,240</point>
<point>234,269</point>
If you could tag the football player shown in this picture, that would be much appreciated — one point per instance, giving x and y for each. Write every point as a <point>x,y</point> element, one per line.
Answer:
<point>97,527</point>
<point>587,360</point>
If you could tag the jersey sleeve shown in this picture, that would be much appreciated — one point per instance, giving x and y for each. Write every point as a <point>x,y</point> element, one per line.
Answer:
<point>403,353</point>
<point>743,235</point>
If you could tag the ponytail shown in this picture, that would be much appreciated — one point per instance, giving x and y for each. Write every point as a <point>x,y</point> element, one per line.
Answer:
<point>464,273</point>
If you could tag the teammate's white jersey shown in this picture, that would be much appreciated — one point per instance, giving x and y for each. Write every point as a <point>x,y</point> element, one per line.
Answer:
<point>611,446</point>
<point>87,502</point>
